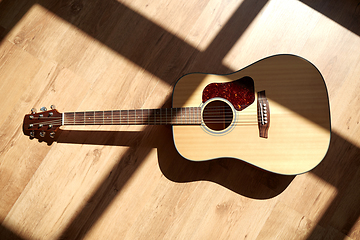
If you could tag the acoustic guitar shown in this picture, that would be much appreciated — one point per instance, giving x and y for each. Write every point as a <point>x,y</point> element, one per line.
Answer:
<point>273,114</point>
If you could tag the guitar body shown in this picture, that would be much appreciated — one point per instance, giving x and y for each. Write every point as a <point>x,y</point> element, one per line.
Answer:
<point>299,116</point>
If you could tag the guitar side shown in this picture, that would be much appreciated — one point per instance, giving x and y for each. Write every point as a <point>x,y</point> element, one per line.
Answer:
<point>299,132</point>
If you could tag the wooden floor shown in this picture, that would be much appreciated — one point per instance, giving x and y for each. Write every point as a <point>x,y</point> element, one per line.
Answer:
<point>123,182</point>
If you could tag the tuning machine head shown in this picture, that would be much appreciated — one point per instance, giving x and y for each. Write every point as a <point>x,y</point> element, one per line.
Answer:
<point>52,134</point>
<point>42,134</point>
<point>43,125</point>
<point>43,109</point>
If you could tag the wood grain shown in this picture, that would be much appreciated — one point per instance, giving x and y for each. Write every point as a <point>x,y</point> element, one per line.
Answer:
<point>129,182</point>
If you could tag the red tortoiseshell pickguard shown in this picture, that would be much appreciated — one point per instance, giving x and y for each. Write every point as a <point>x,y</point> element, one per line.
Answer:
<point>240,92</point>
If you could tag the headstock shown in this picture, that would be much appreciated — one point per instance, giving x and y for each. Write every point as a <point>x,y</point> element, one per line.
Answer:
<point>42,125</point>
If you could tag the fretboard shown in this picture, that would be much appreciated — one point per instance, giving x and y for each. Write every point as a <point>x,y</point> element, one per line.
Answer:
<point>162,116</point>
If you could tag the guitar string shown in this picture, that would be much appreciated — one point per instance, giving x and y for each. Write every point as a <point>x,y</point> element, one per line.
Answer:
<point>160,110</point>
<point>188,116</point>
<point>151,118</point>
<point>133,122</point>
<point>187,110</point>
<point>140,121</point>
<point>130,114</point>
<point>145,118</point>
<point>144,121</point>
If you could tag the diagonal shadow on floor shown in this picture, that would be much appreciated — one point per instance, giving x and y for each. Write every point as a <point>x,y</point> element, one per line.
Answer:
<point>344,12</point>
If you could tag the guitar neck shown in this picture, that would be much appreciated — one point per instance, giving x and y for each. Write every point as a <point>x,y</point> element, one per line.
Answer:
<point>162,116</point>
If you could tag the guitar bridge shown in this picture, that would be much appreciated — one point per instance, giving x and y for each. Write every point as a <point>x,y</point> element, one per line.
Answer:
<point>263,111</point>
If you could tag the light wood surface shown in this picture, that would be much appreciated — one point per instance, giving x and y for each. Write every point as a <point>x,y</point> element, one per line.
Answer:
<point>124,182</point>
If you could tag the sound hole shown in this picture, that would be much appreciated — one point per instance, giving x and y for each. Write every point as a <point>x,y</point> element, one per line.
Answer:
<point>217,115</point>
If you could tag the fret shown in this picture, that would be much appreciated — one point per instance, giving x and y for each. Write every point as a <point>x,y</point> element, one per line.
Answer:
<point>176,116</point>
<point>194,115</point>
<point>131,117</point>
<point>180,116</point>
<point>171,116</point>
<point>119,116</point>
<point>189,115</point>
<point>89,117</point>
<point>198,115</point>
<point>159,116</point>
<point>79,118</point>
<point>183,113</point>
<point>113,117</point>
<point>152,117</point>
<point>99,118</point>
<point>108,118</point>
<point>69,118</point>
<point>154,114</point>
<point>122,117</point>
<point>189,118</point>
<point>139,117</point>
<point>193,118</point>
<point>148,116</point>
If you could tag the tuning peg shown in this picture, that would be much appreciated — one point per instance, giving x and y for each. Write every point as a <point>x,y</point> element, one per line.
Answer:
<point>33,110</point>
<point>42,134</point>
<point>32,134</point>
<point>52,134</point>
<point>43,109</point>
<point>52,107</point>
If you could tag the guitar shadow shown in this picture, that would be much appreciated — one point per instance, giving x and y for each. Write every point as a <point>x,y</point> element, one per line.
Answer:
<point>233,174</point>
